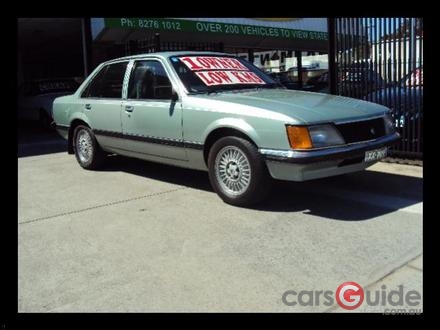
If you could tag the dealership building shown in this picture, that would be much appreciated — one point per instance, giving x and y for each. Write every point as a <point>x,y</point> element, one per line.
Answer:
<point>50,47</point>
<point>376,59</point>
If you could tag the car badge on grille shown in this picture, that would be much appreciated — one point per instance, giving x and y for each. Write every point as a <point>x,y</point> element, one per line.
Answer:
<point>372,131</point>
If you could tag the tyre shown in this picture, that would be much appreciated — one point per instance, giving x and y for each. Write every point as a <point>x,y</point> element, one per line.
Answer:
<point>237,172</point>
<point>87,151</point>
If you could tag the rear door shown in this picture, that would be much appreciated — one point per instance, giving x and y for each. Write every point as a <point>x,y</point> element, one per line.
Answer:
<point>102,102</point>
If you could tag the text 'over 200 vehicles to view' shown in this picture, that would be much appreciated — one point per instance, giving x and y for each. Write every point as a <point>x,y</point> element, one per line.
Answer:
<point>217,112</point>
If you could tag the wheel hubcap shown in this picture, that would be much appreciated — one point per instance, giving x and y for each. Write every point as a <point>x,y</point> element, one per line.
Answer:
<point>84,146</point>
<point>232,170</point>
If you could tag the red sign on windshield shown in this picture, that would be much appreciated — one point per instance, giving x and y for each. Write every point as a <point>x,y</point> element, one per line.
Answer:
<point>196,63</point>
<point>221,70</point>
<point>229,77</point>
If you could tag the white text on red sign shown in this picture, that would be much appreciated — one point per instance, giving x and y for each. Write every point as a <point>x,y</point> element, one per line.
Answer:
<point>211,78</point>
<point>196,63</point>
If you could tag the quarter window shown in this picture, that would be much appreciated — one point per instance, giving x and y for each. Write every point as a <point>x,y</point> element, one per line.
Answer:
<point>149,81</point>
<point>108,82</point>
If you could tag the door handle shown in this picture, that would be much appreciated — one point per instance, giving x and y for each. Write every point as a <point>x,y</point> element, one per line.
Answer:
<point>129,108</point>
<point>88,107</point>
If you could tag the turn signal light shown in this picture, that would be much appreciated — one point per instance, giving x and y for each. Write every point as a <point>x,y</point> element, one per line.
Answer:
<point>299,137</point>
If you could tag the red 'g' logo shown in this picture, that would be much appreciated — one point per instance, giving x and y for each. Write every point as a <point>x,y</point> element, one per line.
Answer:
<point>349,295</point>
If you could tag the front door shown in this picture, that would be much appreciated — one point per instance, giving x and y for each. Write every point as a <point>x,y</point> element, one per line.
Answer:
<point>151,120</point>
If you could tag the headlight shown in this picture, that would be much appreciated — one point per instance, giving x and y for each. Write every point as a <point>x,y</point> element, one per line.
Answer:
<point>317,136</point>
<point>325,136</point>
<point>389,124</point>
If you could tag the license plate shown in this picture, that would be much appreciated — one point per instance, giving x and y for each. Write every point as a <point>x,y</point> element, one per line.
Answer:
<point>375,154</point>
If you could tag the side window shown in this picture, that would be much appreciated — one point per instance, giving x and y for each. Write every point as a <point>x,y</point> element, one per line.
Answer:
<point>149,81</point>
<point>94,85</point>
<point>108,82</point>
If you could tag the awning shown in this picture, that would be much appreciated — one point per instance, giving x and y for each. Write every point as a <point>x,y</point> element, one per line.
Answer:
<point>265,33</point>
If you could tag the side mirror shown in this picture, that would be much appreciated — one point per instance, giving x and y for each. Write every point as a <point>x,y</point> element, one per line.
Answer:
<point>174,95</point>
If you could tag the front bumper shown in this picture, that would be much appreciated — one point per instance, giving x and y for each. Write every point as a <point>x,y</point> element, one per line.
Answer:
<point>295,165</point>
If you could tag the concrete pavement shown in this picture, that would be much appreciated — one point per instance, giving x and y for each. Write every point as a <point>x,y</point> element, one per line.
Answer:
<point>141,237</point>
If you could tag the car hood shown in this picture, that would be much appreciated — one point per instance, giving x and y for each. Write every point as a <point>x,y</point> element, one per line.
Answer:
<point>307,107</point>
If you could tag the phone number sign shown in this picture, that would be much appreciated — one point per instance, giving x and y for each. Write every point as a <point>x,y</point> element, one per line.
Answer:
<point>177,25</point>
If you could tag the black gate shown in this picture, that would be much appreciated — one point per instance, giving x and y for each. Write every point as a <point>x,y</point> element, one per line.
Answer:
<point>381,60</point>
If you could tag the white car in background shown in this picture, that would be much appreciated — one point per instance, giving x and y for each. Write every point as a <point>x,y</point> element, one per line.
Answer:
<point>35,98</point>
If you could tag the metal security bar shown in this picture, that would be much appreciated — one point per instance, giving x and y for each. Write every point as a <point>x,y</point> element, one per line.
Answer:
<point>381,60</point>
<point>154,44</point>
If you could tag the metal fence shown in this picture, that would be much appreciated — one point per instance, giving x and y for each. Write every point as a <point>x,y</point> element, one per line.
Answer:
<point>381,60</point>
<point>154,44</point>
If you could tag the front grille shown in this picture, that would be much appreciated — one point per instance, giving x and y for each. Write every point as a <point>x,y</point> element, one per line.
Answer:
<point>362,130</point>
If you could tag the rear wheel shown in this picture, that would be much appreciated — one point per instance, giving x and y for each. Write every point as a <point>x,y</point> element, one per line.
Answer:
<point>87,151</point>
<point>237,172</point>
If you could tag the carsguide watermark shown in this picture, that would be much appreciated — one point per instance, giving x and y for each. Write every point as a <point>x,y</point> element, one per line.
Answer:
<point>350,295</point>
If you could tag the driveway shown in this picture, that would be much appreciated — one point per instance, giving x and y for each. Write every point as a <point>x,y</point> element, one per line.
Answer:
<point>142,237</point>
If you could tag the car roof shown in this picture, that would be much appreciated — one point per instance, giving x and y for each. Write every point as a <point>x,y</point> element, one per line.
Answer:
<point>167,54</point>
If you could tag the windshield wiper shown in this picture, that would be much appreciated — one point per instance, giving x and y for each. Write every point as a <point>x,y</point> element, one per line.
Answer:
<point>198,92</point>
<point>271,85</point>
<point>213,91</point>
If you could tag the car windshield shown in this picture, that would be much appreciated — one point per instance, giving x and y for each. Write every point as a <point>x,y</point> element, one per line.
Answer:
<point>56,86</point>
<point>205,74</point>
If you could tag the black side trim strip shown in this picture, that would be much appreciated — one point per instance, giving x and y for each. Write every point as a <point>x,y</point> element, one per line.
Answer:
<point>57,126</point>
<point>149,139</point>
<point>108,133</point>
<point>192,145</point>
<point>61,127</point>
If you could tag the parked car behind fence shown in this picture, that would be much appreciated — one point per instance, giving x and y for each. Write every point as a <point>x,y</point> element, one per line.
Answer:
<point>358,80</point>
<point>405,99</point>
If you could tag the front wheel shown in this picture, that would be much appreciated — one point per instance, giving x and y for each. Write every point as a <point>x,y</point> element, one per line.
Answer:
<point>88,153</point>
<point>237,172</point>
